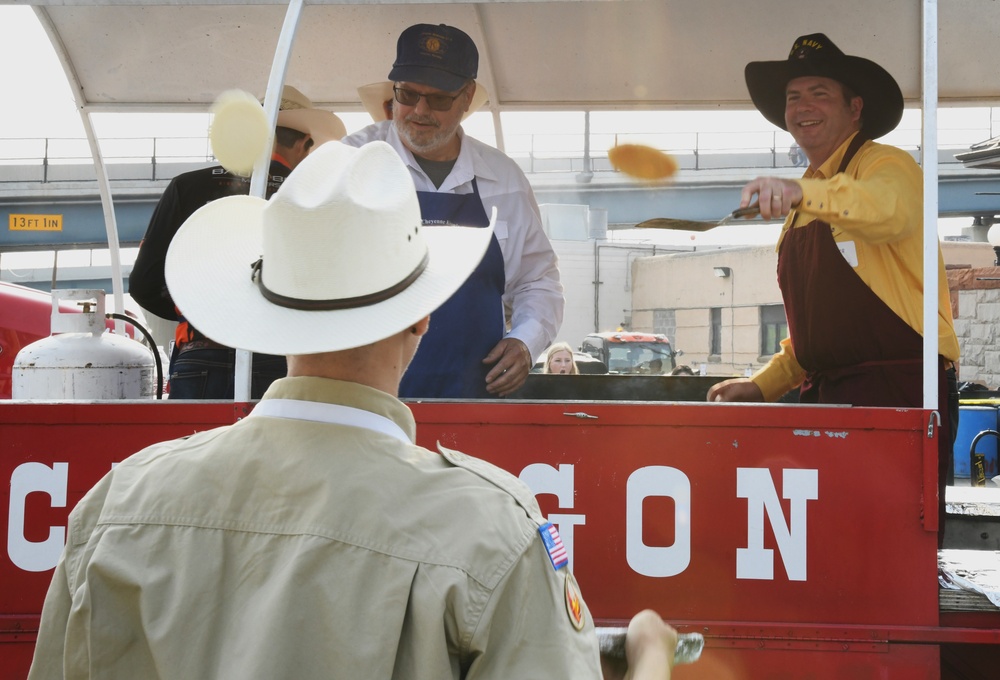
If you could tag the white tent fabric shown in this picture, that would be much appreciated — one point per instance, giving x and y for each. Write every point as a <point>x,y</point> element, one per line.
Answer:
<point>535,54</point>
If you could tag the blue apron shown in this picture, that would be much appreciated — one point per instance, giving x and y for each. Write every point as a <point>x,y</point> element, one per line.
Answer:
<point>449,361</point>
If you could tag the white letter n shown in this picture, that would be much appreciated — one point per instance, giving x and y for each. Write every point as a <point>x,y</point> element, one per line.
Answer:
<point>755,484</point>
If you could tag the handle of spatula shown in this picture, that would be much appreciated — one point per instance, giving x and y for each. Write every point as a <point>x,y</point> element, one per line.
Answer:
<point>612,645</point>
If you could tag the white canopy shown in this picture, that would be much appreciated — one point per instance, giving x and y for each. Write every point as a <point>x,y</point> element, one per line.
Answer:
<point>618,54</point>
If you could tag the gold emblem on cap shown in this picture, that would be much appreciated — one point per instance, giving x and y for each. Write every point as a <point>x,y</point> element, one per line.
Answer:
<point>574,602</point>
<point>432,44</point>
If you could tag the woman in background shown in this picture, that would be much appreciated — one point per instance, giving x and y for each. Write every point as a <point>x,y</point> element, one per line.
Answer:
<point>559,359</point>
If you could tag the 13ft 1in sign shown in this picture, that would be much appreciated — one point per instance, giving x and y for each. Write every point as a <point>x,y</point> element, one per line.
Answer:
<point>36,222</point>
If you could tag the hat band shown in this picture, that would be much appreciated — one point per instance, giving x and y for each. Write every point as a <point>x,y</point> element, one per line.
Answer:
<point>257,275</point>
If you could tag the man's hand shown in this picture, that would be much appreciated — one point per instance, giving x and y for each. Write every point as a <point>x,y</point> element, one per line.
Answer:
<point>736,389</point>
<point>512,361</point>
<point>649,648</point>
<point>775,196</point>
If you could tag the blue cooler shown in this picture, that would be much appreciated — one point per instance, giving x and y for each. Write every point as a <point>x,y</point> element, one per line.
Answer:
<point>971,421</point>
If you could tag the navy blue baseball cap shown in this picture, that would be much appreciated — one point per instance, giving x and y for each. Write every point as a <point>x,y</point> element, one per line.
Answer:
<point>442,57</point>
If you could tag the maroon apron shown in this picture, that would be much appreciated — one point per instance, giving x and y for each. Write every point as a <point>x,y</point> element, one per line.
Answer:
<point>853,347</point>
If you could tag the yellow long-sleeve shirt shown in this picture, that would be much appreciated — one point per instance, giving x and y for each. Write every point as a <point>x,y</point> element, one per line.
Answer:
<point>876,210</point>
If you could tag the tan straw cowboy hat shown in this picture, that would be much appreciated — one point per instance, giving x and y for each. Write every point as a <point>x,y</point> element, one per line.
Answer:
<point>337,258</point>
<point>298,113</point>
<point>239,130</point>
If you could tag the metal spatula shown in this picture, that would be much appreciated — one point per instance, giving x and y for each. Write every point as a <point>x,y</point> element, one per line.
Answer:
<point>696,225</point>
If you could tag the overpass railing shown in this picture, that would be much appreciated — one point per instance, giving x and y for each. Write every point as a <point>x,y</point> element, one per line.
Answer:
<point>52,159</point>
<point>55,159</point>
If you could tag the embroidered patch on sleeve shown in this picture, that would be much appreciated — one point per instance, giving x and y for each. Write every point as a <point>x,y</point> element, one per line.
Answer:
<point>574,603</point>
<point>554,545</point>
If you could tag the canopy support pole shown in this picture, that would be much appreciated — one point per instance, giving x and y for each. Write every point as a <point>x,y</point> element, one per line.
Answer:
<point>103,184</point>
<point>929,161</point>
<point>258,182</point>
<point>486,76</point>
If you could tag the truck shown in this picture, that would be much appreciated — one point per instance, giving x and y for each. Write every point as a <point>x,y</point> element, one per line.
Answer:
<point>631,353</point>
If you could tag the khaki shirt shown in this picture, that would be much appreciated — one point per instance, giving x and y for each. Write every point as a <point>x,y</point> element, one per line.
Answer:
<point>283,547</point>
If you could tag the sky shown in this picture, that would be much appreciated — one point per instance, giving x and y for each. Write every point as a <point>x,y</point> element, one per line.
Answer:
<point>36,102</point>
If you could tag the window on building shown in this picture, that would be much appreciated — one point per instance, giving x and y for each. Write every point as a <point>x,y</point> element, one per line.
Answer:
<point>773,328</point>
<point>715,332</point>
<point>665,323</point>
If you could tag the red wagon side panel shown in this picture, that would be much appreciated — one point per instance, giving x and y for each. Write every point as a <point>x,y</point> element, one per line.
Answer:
<point>799,540</point>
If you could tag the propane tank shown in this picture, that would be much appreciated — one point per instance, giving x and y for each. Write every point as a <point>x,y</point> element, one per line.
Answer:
<point>79,360</point>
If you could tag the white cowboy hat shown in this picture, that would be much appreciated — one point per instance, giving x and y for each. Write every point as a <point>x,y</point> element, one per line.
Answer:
<point>239,130</point>
<point>336,259</point>
<point>374,95</point>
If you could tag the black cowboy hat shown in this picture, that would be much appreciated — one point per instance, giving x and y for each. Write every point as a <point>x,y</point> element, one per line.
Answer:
<point>816,55</point>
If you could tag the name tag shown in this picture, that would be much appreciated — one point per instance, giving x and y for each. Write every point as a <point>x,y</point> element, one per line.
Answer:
<point>850,252</point>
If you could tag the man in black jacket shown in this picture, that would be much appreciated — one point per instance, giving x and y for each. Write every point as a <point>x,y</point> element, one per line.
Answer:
<point>201,368</point>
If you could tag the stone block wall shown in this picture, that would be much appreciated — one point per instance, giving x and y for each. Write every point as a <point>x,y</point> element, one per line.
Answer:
<point>975,296</point>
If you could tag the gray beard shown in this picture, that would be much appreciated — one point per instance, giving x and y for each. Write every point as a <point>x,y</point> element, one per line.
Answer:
<point>436,141</point>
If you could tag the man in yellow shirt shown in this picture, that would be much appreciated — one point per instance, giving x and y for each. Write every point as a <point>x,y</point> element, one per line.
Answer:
<point>850,255</point>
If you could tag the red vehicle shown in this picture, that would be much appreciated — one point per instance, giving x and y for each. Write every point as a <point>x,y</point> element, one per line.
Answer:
<point>628,352</point>
<point>24,318</point>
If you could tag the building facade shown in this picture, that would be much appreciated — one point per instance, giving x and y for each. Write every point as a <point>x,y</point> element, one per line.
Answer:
<point>723,308</point>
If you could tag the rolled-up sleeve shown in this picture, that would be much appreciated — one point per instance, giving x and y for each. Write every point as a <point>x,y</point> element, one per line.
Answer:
<point>780,374</point>
<point>533,295</point>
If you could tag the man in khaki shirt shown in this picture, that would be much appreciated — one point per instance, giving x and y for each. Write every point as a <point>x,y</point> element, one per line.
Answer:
<point>314,539</point>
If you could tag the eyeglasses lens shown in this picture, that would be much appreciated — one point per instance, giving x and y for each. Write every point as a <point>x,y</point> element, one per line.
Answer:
<point>437,102</point>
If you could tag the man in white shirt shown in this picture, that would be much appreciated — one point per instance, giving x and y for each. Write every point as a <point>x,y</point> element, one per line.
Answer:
<point>469,352</point>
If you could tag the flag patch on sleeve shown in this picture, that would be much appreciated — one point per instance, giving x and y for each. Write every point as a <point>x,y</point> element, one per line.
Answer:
<point>554,545</point>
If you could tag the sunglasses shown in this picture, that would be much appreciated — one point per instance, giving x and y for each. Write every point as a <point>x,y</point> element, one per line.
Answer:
<point>436,102</point>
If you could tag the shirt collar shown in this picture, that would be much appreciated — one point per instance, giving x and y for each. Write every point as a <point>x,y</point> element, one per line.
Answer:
<point>830,167</point>
<point>468,165</point>
<point>329,391</point>
<point>275,156</point>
